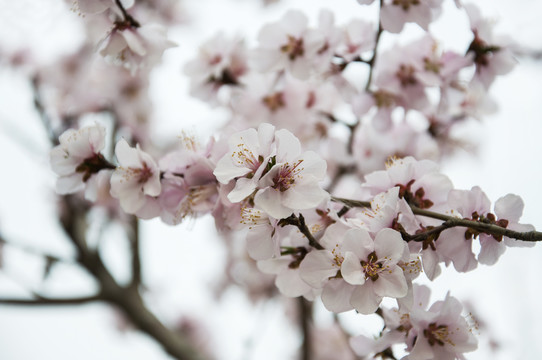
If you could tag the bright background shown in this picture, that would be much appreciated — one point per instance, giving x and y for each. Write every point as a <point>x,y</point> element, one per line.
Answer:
<point>180,262</point>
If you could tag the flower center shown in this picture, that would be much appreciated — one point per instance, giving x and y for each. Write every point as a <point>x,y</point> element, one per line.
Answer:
<point>246,158</point>
<point>438,334</point>
<point>371,267</point>
<point>405,74</point>
<point>274,101</point>
<point>285,178</point>
<point>294,47</point>
<point>405,4</point>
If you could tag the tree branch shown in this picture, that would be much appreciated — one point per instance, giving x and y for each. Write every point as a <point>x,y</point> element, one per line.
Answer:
<point>450,221</point>
<point>136,258</point>
<point>305,319</point>
<point>127,299</point>
<point>299,222</point>
<point>44,301</point>
<point>372,60</point>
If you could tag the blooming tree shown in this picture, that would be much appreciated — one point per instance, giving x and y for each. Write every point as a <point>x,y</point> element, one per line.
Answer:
<point>326,173</point>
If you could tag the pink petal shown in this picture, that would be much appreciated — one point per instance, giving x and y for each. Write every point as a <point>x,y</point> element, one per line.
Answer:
<point>351,269</point>
<point>391,282</point>
<point>336,295</point>
<point>317,267</point>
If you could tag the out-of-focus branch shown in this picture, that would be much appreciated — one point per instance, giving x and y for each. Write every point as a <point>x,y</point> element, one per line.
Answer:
<point>305,319</point>
<point>372,60</point>
<point>127,299</point>
<point>45,301</point>
<point>33,251</point>
<point>40,108</point>
<point>133,235</point>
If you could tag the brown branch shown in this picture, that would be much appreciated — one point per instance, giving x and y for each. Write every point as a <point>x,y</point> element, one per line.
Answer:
<point>129,19</point>
<point>450,221</point>
<point>134,247</point>
<point>305,319</point>
<point>127,299</point>
<point>372,60</point>
<point>45,301</point>
<point>299,222</point>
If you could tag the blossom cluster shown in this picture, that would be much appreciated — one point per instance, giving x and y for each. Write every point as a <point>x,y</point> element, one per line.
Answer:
<point>314,243</point>
<point>332,183</point>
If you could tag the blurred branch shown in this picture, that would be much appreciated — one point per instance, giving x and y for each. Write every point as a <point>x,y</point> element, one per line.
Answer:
<point>133,235</point>
<point>45,119</point>
<point>51,301</point>
<point>305,319</point>
<point>33,251</point>
<point>127,299</point>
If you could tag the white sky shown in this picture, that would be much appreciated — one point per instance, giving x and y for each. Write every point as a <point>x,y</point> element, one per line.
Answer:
<point>181,261</point>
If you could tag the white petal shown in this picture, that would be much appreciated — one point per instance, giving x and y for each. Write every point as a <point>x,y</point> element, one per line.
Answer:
<point>359,242</point>
<point>260,243</point>
<point>288,146</point>
<point>290,284</point>
<point>390,244</point>
<point>303,196</point>
<point>391,282</point>
<point>243,188</point>
<point>126,155</point>
<point>317,267</point>
<point>491,250</point>
<point>509,207</point>
<point>134,41</point>
<point>269,200</point>
<point>336,295</point>
<point>364,299</point>
<point>351,269</point>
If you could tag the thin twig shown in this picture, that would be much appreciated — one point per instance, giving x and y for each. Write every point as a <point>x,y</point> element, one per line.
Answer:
<point>299,222</point>
<point>45,301</point>
<point>372,60</point>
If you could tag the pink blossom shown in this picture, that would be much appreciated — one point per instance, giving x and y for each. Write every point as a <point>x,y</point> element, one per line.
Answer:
<point>292,182</point>
<point>395,13</point>
<point>221,61</point>
<point>420,182</point>
<point>441,333</point>
<point>492,55</point>
<point>474,204</point>
<point>77,158</point>
<point>135,47</point>
<point>288,44</point>
<point>189,187</point>
<point>373,266</point>
<point>248,151</point>
<point>136,180</point>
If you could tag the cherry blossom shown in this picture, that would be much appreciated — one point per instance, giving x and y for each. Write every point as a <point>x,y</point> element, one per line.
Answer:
<point>135,47</point>
<point>373,265</point>
<point>475,204</point>
<point>221,61</point>
<point>246,160</point>
<point>492,55</point>
<point>137,178</point>
<point>288,44</point>
<point>440,333</point>
<point>292,183</point>
<point>78,158</point>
